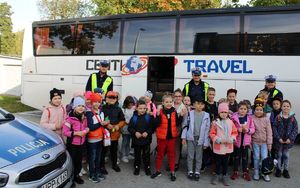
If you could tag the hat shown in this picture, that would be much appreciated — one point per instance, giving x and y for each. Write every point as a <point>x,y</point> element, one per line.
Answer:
<point>196,71</point>
<point>223,107</point>
<point>95,97</point>
<point>259,102</point>
<point>270,78</point>
<point>231,90</point>
<point>77,102</point>
<point>78,93</point>
<point>104,63</point>
<point>54,92</point>
<point>87,95</point>
<point>148,94</point>
<point>111,94</point>
<point>98,90</point>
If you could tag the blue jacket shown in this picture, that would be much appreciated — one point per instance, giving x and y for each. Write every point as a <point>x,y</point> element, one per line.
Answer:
<point>278,130</point>
<point>188,130</point>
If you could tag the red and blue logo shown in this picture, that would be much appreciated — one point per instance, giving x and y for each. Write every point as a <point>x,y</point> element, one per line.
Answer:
<point>134,65</point>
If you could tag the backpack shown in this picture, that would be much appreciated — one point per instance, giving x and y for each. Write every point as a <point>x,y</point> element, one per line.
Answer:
<point>188,122</point>
<point>135,117</point>
<point>49,112</point>
<point>267,165</point>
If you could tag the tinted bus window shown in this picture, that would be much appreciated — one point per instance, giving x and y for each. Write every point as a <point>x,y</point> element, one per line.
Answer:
<point>54,40</point>
<point>98,38</point>
<point>272,34</point>
<point>209,35</point>
<point>149,36</point>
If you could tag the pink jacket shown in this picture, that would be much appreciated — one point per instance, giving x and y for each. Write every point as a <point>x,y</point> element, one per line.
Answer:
<point>263,131</point>
<point>219,133</point>
<point>153,108</point>
<point>77,126</point>
<point>247,136</point>
<point>53,118</point>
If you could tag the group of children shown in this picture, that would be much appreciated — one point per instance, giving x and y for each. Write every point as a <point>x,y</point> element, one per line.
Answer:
<point>215,131</point>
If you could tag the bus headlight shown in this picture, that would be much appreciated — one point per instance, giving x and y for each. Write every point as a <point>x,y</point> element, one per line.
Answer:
<point>3,179</point>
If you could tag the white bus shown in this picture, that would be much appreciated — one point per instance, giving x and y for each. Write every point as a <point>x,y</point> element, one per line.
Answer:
<point>235,48</point>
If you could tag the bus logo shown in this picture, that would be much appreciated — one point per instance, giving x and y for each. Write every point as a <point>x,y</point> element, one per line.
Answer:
<point>134,65</point>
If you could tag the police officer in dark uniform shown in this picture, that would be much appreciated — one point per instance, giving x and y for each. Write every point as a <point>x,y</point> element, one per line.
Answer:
<point>196,88</point>
<point>100,79</point>
<point>270,87</point>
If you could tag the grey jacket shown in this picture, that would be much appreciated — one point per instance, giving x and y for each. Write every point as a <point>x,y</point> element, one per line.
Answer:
<point>188,130</point>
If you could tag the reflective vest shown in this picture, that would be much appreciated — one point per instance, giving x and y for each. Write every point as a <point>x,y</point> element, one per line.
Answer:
<point>162,129</point>
<point>206,85</point>
<point>105,85</point>
<point>275,93</point>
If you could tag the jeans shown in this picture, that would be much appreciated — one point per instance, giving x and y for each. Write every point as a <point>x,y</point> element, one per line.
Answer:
<point>283,155</point>
<point>125,148</point>
<point>221,162</point>
<point>260,152</point>
<point>94,153</point>
<point>75,152</point>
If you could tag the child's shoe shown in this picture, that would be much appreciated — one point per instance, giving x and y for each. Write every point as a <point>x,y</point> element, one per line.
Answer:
<point>214,179</point>
<point>246,176</point>
<point>256,175</point>
<point>116,168</point>
<point>197,176</point>
<point>190,175</point>
<point>225,180</point>
<point>136,170</point>
<point>266,178</point>
<point>148,171</point>
<point>286,174</point>
<point>235,175</point>
<point>278,173</point>
<point>172,176</point>
<point>125,159</point>
<point>156,174</point>
<point>78,180</point>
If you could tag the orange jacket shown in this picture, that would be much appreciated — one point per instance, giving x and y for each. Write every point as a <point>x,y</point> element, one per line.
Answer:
<point>162,129</point>
<point>116,134</point>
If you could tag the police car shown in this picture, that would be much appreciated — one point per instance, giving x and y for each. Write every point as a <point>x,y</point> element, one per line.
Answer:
<point>31,156</point>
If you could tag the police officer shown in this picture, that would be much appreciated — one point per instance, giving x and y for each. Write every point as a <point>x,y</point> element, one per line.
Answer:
<point>100,79</point>
<point>270,87</point>
<point>196,88</point>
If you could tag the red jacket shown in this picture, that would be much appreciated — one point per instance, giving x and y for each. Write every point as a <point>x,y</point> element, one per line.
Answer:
<point>162,129</point>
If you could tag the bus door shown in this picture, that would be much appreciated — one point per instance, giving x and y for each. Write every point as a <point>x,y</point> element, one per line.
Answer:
<point>160,76</point>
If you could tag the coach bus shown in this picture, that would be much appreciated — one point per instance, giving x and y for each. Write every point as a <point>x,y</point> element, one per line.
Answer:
<point>234,48</point>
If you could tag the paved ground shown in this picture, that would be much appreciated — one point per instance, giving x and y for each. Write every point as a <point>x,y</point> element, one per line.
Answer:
<point>126,179</point>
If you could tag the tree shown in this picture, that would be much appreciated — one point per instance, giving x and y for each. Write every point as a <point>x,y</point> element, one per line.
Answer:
<point>6,35</point>
<point>110,7</point>
<point>273,2</point>
<point>18,43</point>
<point>62,9</point>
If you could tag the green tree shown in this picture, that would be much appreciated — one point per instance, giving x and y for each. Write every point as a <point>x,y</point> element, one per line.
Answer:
<point>110,7</point>
<point>273,2</point>
<point>18,43</point>
<point>62,9</point>
<point>6,35</point>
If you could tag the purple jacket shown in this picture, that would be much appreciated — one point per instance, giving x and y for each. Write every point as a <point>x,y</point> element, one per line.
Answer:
<point>77,126</point>
<point>247,136</point>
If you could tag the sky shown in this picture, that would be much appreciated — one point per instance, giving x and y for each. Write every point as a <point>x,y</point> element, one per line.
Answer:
<point>26,11</point>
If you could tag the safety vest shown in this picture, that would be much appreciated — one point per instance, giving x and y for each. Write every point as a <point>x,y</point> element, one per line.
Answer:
<point>162,129</point>
<point>206,85</point>
<point>275,93</point>
<point>105,85</point>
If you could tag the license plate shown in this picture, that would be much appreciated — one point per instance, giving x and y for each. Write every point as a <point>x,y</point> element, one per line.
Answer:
<point>56,182</point>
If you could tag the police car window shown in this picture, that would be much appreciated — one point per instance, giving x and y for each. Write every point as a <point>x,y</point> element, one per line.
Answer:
<point>211,35</point>
<point>98,38</point>
<point>272,34</point>
<point>149,36</point>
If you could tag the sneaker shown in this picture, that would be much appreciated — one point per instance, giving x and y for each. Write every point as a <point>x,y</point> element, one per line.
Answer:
<point>197,176</point>
<point>116,168</point>
<point>278,173</point>
<point>172,176</point>
<point>136,171</point>
<point>130,157</point>
<point>78,180</point>
<point>94,179</point>
<point>103,171</point>
<point>246,176</point>
<point>83,172</point>
<point>148,171</point>
<point>101,176</point>
<point>156,174</point>
<point>266,178</point>
<point>191,175</point>
<point>214,179</point>
<point>125,159</point>
<point>256,175</point>
<point>286,174</point>
<point>225,180</point>
<point>202,170</point>
<point>118,161</point>
<point>235,175</point>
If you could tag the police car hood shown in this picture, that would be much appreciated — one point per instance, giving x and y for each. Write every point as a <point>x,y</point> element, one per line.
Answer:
<point>21,139</point>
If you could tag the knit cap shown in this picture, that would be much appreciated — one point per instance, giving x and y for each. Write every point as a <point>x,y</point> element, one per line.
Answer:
<point>95,97</point>
<point>223,107</point>
<point>148,94</point>
<point>54,92</point>
<point>77,102</point>
<point>259,102</point>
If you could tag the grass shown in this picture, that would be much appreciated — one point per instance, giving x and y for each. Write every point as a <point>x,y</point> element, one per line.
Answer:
<point>13,104</point>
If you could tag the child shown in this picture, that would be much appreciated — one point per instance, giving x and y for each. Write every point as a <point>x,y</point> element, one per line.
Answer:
<point>262,137</point>
<point>140,128</point>
<point>264,96</point>
<point>166,134</point>
<point>274,113</point>
<point>212,105</point>
<point>75,129</point>
<point>151,108</point>
<point>128,109</point>
<point>223,134</point>
<point>285,130</point>
<point>231,99</point>
<point>95,121</point>
<point>54,115</point>
<point>187,102</point>
<point>244,124</point>
<point>195,135</point>
<point>115,115</point>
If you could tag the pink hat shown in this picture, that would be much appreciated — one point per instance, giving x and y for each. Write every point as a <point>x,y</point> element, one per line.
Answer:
<point>223,107</point>
<point>87,95</point>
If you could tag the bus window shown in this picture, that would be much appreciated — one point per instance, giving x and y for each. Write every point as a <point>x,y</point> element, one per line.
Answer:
<point>149,36</point>
<point>98,38</point>
<point>54,40</point>
<point>210,35</point>
<point>272,34</point>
